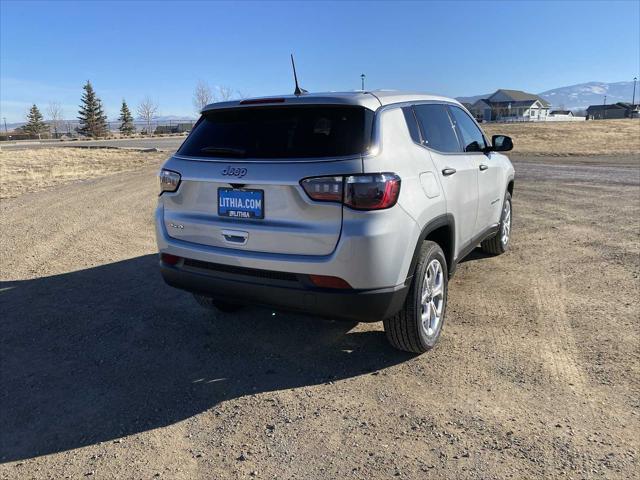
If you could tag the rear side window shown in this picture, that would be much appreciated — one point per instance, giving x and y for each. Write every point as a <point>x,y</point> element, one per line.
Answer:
<point>437,130</point>
<point>280,133</point>
<point>412,125</point>
<point>471,135</point>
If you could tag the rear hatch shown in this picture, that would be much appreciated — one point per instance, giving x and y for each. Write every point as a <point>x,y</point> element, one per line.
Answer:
<point>241,170</point>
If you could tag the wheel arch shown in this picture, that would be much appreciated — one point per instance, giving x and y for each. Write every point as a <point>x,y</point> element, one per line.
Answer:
<point>442,231</point>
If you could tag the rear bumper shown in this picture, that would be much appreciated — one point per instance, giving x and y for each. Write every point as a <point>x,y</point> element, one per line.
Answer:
<point>287,293</point>
<point>374,251</point>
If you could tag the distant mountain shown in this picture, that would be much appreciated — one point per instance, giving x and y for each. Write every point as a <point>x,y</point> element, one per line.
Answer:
<point>592,93</point>
<point>580,96</point>
<point>173,118</point>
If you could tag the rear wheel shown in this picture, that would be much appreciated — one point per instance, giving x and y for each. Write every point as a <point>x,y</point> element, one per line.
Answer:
<point>417,326</point>
<point>212,304</point>
<point>499,243</point>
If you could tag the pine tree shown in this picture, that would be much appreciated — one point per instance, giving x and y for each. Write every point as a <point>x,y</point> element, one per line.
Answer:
<point>93,121</point>
<point>126,120</point>
<point>35,124</point>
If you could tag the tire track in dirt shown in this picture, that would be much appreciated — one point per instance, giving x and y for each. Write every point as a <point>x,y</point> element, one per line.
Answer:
<point>559,351</point>
<point>63,229</point>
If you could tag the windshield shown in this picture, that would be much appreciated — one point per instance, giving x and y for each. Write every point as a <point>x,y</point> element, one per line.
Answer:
<point>309,131</point>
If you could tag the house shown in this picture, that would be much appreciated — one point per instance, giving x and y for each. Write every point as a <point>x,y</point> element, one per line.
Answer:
<point>163,129</point>
<point>564,116</point>
<point>179,128</point>
<point>184,127</point>
<point>482,111</point>
<point>511,106</point>
<point>614,110</point>
<point>561,113</point>
<point>633,111</point>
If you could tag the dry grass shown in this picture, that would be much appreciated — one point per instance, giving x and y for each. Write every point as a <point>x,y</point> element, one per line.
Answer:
<point>613,137</point>
<point>30,170</point>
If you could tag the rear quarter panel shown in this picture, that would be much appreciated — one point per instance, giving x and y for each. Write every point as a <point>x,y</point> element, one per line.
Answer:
<point>421,194</point>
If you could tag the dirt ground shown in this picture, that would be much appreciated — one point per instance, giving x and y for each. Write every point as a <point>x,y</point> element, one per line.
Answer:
<point>593,137</point>
<point>108,373</point>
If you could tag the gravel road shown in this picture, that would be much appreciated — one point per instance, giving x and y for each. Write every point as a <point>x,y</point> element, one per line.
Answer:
<point>618,169</point>
<point>169,144</point>
<point>107,373</point>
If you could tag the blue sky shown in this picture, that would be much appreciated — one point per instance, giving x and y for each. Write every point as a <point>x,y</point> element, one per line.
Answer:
<point>161,49</point>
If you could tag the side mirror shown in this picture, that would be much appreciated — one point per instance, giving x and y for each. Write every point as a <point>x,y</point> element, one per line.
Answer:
<point>501,143</point>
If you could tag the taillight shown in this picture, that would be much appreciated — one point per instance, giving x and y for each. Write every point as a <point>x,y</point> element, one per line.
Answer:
<point>328,189</point>
<point>372,192</point>
<point>169,181</point>
<point>375,191</point>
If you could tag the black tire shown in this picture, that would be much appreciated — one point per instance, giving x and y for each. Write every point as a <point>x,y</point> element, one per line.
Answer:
<point>212,304</point>
<point>495,244</point>
<point>405,329</point>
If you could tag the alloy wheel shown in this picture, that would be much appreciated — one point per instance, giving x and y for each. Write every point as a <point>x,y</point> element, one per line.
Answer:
<point>506,223</point>
<point>432,298</point>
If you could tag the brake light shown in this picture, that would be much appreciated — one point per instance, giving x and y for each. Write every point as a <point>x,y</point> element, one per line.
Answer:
<point>325,281</point>
<point>371,192</point>
<point>361,192</point>
<point>260,101</point>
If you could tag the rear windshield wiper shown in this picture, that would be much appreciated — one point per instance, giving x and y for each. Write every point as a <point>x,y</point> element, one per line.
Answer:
<point>224,151</point>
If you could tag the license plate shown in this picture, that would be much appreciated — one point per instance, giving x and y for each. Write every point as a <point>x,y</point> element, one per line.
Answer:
<point>239,203</point>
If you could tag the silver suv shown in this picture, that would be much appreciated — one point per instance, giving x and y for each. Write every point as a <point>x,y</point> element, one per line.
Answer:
<point>351,205</point>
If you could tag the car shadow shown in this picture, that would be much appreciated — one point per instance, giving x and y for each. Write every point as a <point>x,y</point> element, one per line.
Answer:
<point>97,354</point>
<point>476,254</point>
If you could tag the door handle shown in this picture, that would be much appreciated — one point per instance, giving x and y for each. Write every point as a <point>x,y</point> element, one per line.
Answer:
<point>448,171</point>
<point>483,167</point>
<point>235,236</point>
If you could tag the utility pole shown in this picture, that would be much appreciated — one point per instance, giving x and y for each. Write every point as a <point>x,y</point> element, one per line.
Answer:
<point>604,108</point>
<point>633,101</point>
<point>362,77</point>
<point>5,125</point>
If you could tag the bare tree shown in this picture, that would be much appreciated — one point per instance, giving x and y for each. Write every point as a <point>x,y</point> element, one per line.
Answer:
<point>224,93</point>
<point>241,94</point>
<point>202,95</point>
<point>147,111</point>
<point>55,116</point>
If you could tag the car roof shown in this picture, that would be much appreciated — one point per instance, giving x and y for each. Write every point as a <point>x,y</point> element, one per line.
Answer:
<point>372,100</point>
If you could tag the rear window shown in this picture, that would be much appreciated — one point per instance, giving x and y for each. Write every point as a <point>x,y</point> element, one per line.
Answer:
<point>281,132</point>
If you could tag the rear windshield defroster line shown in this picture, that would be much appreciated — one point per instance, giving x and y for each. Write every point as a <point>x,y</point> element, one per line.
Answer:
<point>281,133</point>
